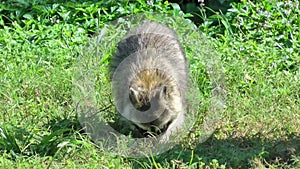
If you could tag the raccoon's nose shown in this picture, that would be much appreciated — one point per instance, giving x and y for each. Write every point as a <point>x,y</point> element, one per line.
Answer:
<point>144,107</point>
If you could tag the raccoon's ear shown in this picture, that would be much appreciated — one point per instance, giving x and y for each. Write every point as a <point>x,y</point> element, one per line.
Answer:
<point>134,96</point>
<point>163,92</point>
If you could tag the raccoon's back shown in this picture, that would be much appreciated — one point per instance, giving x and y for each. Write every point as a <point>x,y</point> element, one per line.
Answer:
<point>148,35</point>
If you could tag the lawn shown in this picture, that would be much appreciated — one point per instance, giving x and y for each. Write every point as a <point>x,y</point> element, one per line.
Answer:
<point>42,44</point>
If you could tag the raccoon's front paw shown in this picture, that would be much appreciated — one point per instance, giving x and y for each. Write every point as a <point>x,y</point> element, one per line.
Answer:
<point>164,138</point>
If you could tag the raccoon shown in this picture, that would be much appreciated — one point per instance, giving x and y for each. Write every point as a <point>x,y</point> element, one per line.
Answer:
<point>149,75</point>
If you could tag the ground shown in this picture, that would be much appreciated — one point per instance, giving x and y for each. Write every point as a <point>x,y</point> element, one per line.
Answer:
<point>258,45</point>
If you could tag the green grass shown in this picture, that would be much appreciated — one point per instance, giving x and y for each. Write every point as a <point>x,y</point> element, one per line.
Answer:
<point>258,42</point>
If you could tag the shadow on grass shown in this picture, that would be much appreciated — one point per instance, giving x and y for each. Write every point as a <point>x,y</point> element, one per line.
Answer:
<point>204,8</point>
<point>235,152</point>
<point>20,11</point>
<point>22,142</point>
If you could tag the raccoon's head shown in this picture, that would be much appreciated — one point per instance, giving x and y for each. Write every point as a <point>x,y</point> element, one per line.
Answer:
<point>156,103</point>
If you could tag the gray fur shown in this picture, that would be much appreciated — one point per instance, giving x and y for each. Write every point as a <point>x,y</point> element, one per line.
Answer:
<point>151,46</point>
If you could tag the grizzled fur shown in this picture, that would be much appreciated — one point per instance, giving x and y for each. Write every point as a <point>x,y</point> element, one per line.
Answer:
<point>149,79</point>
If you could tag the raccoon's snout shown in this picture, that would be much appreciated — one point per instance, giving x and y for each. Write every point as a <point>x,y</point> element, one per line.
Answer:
<point>143,107</point>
